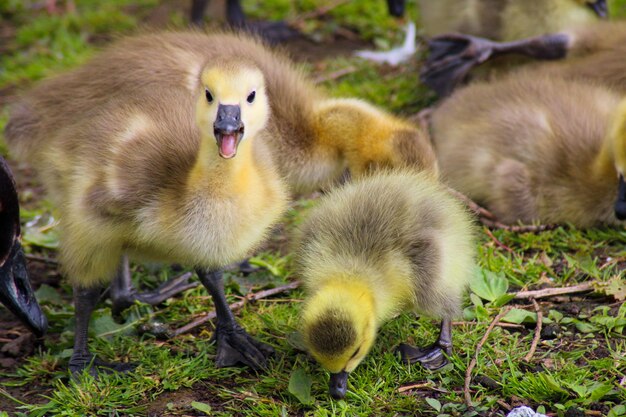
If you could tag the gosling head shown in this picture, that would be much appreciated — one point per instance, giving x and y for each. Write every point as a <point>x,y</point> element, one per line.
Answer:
<point>599,7</point>
<point>339,329</point>
<point>232,105</point>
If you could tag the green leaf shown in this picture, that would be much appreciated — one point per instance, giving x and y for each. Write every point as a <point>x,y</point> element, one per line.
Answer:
<point>205,408</point>
<point>555,315</point>
<point>476,300</point>
<point>47,294</point>
<point>518,316</point>
<point>34,237</point>
<point>104,325</point>
<point>502,300</point>
<point>433,403</point>
<point>490,286</point>
<point>618,410</point>
<point>300,386</point>
<point>482,314</point>
<point>296,340</point>
<point>585,327</point>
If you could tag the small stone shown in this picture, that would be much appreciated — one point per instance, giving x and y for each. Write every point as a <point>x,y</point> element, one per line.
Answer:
<point>550,331</point>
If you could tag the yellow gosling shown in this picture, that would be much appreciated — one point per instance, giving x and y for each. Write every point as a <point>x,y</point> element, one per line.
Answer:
<point>391,242</point>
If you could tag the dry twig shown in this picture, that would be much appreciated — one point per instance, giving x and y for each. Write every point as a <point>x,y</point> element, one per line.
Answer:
<point>537,335</point>
<point>314,14</point>
<point>497,241</point>
<point>414,386</point>
<point>479,323</point>
<point>489,219</point>
<point>549,292</point>
<point>335,75</point>
<point>470,368</point>
<point>237,306</point>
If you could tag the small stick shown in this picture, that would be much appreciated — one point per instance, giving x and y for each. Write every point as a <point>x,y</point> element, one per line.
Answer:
<point>41,259</point>
<point>477,323</point>
<point>489,219</point>
<point>480,211</point>
<point>468,372</point>
<point>504,405</point>
<point>335,75</point>
<point>497,241</point>
<point>410,387</point>
<point>237,306</point>
<point>537,336</point>
<point>314,14</point>
<point>549,292</point>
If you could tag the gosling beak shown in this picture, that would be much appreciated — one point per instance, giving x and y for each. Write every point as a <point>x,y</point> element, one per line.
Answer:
<point>228,129</point>
<point>16,292</point>
<point>620,204</point>
<point>600,8</point>
<point>396,7</point>
<point>338,385</point>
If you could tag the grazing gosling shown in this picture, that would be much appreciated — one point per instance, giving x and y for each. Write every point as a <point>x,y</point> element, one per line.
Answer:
<point>391,242</point>
<point>536,147</point>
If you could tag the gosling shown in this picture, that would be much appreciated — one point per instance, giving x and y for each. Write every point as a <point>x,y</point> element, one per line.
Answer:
<point>389,243</point>
<point>536,147</point>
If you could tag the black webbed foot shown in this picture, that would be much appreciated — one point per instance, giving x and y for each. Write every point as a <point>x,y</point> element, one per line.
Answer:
<point>124,294</point>
<point>235,346</point>
<point>80,362</point>
<point>432,357</point>
<point>451,58</point>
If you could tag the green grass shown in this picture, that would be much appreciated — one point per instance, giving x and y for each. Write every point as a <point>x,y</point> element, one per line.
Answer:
<point>582,368</point>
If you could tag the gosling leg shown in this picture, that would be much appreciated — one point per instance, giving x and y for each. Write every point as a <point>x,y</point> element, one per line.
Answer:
<point>431,357</point>
<point>124,294</point>
<point>85,300</point>
<point>452,56</point>
<point>234,345</point>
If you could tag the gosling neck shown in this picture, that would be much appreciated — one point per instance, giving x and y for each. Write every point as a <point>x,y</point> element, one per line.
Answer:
<point>211,167</point>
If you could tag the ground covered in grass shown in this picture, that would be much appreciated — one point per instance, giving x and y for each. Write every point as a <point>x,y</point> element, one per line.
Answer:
<point>577,368</point>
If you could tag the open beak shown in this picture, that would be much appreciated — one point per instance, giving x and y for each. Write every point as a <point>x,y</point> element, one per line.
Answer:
<point>338,385</point>
<point>396,7</point>
<point>16,292</point>
<point>600,8</point>
<point>228,129</point>
<point>620,203</point>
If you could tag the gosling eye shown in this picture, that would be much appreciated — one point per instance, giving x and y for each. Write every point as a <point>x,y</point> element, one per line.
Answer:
<point>356,352</point>
<point>209,97</point>
<point>251,97</point>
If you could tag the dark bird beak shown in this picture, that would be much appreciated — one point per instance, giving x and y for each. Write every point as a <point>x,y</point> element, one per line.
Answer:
<point>228,129</point>
<point>338,385</point>
<point>396,7</point>
<point>620,204</point>
<point>599,7</point>
<point>16,292</point>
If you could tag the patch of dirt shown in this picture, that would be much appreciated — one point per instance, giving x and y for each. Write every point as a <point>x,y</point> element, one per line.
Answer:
<point>178,403</point>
